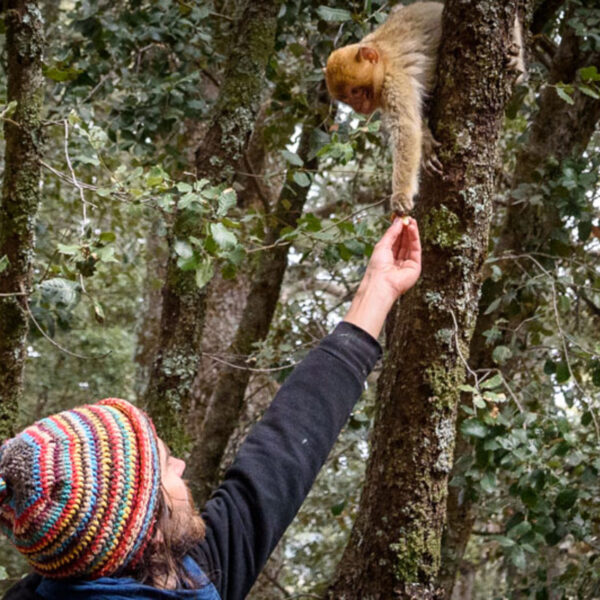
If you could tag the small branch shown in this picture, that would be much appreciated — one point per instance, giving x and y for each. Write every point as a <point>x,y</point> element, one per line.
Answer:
<point>75,180</point>
<point>245,368</point>
<point>56,344</point>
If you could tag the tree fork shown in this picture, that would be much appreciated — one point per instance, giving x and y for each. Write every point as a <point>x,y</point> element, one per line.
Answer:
<point>394,548</point>
<point>226,403</point>
<point>20,195</point>
<point>184,305</point>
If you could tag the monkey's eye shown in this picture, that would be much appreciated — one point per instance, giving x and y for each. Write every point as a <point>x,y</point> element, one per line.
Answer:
<point>355,91</point>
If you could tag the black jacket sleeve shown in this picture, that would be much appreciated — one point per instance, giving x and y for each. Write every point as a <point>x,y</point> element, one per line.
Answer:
<point>24,589</point>
<point>277,464</point>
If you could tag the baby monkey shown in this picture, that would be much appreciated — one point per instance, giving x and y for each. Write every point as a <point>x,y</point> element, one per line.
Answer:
<point>394,68</point>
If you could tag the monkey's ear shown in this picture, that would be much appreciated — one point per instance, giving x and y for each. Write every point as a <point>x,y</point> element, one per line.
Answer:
<point>367,53</point>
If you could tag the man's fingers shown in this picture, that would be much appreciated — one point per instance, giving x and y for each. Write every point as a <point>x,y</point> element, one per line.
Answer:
<point>413,242</point>
<point>392,234</point>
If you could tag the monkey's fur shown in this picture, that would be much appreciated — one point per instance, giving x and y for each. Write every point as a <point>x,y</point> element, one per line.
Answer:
<point>394,68</point>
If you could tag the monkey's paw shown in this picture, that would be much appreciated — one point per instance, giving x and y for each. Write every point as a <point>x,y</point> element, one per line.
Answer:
<point>429,158</point>
<point>401,203</point>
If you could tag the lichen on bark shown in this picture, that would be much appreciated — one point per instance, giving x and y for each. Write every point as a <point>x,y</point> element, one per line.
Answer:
<point>20,195</point>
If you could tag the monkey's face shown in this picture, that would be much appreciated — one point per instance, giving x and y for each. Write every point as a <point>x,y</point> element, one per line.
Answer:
<point>354,76</point>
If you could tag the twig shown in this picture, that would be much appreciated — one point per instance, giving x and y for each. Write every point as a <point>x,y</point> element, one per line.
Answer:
<point>245,368</point>
<point>96,88</point>
<point>56,344</point>
<point>75,180</point>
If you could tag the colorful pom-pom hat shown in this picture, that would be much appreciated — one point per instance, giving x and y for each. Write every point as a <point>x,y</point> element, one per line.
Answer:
<point>79,490</point>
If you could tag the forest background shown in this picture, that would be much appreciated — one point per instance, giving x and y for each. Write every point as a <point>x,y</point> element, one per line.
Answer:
<point>185,214</point>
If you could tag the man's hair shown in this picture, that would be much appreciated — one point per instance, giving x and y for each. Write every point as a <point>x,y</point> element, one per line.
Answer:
<point>161,564</point>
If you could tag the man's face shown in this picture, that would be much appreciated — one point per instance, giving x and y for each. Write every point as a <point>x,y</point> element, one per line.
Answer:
<point>186,524</point>
<point>171,468</point>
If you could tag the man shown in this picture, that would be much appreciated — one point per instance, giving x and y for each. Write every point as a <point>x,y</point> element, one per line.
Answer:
<point>96,503</point>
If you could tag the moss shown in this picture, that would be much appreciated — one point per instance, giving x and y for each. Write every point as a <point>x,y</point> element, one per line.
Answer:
<point>417,556</point>
<point>444,384</point>
<point>442,228</point>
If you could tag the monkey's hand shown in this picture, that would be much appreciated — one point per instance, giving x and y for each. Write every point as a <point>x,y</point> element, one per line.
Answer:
<point>401,203</point>
<point>429,158</point>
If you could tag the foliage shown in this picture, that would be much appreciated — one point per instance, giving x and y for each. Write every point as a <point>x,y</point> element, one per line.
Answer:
<point>129,86</point>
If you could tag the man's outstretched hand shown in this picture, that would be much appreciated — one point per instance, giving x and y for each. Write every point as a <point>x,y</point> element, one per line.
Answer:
<point>393,269</point>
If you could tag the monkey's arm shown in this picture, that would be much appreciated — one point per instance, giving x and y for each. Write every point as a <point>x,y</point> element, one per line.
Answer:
<point>403,118</point>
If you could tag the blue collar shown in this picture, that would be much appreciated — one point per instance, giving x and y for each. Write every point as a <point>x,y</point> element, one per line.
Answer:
<point>127,588</point>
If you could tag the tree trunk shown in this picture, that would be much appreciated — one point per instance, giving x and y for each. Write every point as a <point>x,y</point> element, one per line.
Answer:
<point>559,131</point>
<point>184,304</point>
<point>148,327</point>
<point>20,196</point>
<point>394,549</point>
<point>226,402</point>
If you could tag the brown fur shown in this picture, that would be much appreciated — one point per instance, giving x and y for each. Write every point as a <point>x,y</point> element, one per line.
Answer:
<point>402,71</point>
<point>394,69</point>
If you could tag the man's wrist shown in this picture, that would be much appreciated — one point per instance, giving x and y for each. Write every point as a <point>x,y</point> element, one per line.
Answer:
<point>370,308</point>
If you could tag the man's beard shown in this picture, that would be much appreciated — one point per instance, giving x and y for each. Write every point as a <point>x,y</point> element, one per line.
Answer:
<point>188,527</point>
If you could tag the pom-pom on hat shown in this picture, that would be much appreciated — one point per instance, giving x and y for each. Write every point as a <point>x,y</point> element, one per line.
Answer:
<point>79,489</point>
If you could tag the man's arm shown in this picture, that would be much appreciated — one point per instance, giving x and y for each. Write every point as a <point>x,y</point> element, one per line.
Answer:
<point>277,464</point>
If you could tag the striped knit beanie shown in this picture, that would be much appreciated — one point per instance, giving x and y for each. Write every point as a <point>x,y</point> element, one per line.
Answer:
<point>79,489</point>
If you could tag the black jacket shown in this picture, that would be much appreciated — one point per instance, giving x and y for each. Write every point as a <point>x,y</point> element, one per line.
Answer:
<point>276,465</point>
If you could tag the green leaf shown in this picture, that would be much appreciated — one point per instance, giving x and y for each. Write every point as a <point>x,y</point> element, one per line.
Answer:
<point>68,250</point>
<point>566,499</point>
<point>474,428</point>
<point>589,91</point>
<point>504,541</point>
<point>589,74</point>
<point>106,254</point>
<point>204,272</point>
<point>183,249</point>
<point>520,529</point>
<point>549,367</point>
<point>468,388</point>
<point>155,176</point>
<point>107,237</point>
<point>562,372</point>
<point>334,15</point>
<point>501,354</point>
<point>488,482</point>
<point>479,402</point>
<point>98,311</point>
<point>337,509</point>
<point>517,557</point>
<point>563,94</point>
<point>183,187</point>
<point>57,74</point>
<point>302,179</point>
<point>59,292</point>
<point>4,262</point>
<point>224,238</point>
<point>292,158</point>
<point>493,382</point>
<point>493,306</point>
<point>227,200</point>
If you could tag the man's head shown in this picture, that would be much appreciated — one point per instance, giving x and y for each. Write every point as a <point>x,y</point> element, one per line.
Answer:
<point>80,491</point>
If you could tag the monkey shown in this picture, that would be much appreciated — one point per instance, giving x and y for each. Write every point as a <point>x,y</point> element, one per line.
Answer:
<point>394,69</point>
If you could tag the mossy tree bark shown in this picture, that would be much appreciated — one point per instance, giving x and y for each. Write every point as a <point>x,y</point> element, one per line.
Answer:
<point>395,545</point>
<point>20,195</point>
<point>168,393</point>
<point>559,131</point>
<point>226,403</point>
